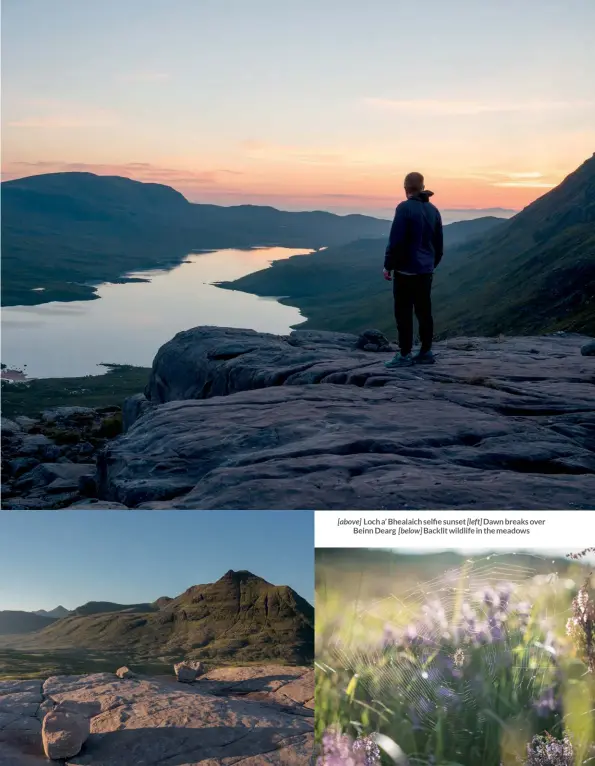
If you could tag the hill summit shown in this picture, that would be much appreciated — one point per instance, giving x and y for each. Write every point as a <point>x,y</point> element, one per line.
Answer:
<point>240,617</point>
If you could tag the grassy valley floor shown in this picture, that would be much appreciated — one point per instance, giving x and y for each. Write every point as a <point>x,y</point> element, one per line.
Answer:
<point>33,396</point>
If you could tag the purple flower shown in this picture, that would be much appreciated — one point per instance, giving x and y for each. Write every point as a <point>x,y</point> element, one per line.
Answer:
<point>341,750</point>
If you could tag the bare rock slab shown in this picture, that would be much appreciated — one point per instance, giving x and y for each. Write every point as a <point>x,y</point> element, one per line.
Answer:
<point>239,419</point>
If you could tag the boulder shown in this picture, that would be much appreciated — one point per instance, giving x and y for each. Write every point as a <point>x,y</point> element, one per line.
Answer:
<point>57,477</point>
<point>38,446</point>
<point>187,671</point>
<point>8,428</point>
<point>20,465</point>
<point>588,349</point>
<point>63,734</point>
<point>374,340</point>
<point>132,409</point>
<point>124,672</point>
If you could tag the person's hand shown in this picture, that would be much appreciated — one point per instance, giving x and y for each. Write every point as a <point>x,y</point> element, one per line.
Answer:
<point>387,275</point>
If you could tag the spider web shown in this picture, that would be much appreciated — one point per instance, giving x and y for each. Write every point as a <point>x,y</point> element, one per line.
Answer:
<point>414,678</point>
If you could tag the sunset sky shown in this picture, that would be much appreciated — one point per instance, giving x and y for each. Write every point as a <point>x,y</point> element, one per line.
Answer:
<point>311,104</point>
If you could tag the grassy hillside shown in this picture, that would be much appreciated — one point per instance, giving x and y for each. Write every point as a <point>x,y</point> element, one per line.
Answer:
<point>62,232</point>
<point>532,274</point>
<point>240,617</point>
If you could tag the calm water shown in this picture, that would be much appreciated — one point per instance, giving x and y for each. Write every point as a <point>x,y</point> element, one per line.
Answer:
<point>129,322</point>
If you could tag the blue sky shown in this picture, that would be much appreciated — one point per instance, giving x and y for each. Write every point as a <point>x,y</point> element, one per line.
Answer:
<point>70,557</point>
<point>318,103</point>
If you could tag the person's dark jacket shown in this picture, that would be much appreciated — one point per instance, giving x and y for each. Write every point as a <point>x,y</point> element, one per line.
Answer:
<point>415,244</point>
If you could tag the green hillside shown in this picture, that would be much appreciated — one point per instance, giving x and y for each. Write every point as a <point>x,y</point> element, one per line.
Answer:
<point>534,273</point>
<point>62,232</point>
<point>240,617</point>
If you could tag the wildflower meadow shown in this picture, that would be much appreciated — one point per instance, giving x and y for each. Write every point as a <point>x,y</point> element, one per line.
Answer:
<point>491,662</point>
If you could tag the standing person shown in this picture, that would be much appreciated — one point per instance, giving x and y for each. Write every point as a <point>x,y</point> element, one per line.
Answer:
<point>414,249</point>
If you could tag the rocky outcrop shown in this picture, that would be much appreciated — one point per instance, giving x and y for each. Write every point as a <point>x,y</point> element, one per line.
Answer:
<point>49,462</point>
<point>239,419</point>
<point>148,721</point>
<point>188,671</point>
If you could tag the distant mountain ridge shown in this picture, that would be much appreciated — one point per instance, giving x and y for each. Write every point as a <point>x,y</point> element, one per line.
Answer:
<point>240,617</point>
<point>531,274</point>
<point>57,613</point>
<point>17,622</point>
<point>62,232</point>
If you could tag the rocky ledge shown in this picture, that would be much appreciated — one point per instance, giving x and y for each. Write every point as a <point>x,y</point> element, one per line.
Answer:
<point>244,420</point>
<point>256,716</point>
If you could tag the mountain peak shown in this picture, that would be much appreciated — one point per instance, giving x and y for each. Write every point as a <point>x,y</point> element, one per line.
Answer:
<point>239,576</point>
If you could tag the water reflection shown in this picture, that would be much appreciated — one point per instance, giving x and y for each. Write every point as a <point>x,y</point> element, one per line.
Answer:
<point>130,321</point>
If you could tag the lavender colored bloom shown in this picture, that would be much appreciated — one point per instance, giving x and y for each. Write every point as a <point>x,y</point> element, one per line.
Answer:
<point>367,747</point>
<point>549,751</point>
<point>547,703</point>
<point>341,750</point>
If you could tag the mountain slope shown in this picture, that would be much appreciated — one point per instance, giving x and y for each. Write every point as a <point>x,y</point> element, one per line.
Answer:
<point>534,273</point>
<point>61,230</point>
<point>22,622</point>
<point>240,617</point>
<point>341,288</point>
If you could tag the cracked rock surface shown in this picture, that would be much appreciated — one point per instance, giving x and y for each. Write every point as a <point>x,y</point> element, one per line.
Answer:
<point>251,716</point>
<point>239,419</point>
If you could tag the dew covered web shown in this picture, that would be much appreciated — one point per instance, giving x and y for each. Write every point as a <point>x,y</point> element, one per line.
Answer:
<point>446,642</point>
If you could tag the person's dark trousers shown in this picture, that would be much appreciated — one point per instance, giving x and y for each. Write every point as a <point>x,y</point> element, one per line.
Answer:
<point>413,293</point>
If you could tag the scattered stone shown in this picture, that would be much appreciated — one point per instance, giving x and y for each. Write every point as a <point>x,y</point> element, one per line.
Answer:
<point>84,449</point>
<point>6,490</point>
<point>374,340</point>
<point>187,671</point>
<point>68,413</point>
<point>588,349</point>
<point>26,423</point>
<point>8,428</point>
<point>36,445</point>
<point>124,672</point>
<point>93,503</point>
<point>61,476</point>
<point>20,465</point>
<point>66,437</point>
<point>63,734</point>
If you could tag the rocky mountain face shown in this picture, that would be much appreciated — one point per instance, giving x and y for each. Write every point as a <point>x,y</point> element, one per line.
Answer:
<point>532,274</point>
<point>256,716</point>
<point>241,617</point>
<point>64,231</point>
